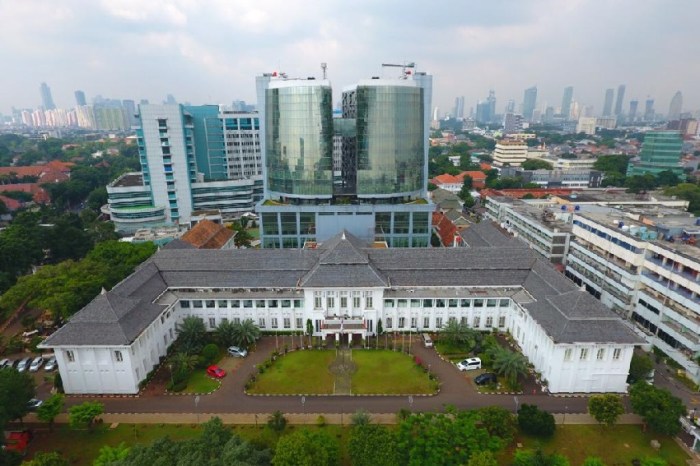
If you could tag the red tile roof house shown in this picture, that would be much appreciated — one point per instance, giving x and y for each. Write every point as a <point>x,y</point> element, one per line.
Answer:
<point>453,183</point>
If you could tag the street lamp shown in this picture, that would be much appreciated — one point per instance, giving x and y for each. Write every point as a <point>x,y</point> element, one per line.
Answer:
<point>517,402</point>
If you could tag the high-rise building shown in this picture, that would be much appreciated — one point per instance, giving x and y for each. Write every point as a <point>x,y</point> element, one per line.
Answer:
<point>512,123</point>
<point>129,107</point>
<point>459,107</point>
<point>607,105</point>
<point>491,99</point>
<point>381,191</point>
<point>619,100</point>
<point>510,152</point>
<point>80,98</point>
<point>46,99</point>
<point>633,110</point>
<point>510,106</point>
<point>676,106</point>
<point>529,102</point>
<point>193,158</point>
<point>566,102</point>
<point>661,151</point>
<point>649,113</point>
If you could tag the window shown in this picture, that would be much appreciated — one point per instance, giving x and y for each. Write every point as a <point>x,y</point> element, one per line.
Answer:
<point>478,303</point>
<point>170,332</point>
<point>438,322</point>
<point>567,354</point>
<point>343,302</point>
<point>584,354</point>
<point>402,322</point>
<point>501,321</point>
<point>210,303</point>
<point>222,303</point>
<point>491,302</point>
<point>297,303</point>
<point>356,301</point>
<point>388,303</point>
<point>299,323</point>
<point>287,322</point>
<point>261,322</point>
<point>504,303</point>
<point>388,322</point>
<point>426,322</point>
<point>489,322</point>
<point>247,303</point>
<point>439,303</point>
<point>477,322</point>
<point>463,321</point>
<point>427,303</point>
<point>330,302</point>
<point>70,355</point>
<point>197,304</point>
<point>368,300</point>
<point>601,354</point>
<point>466,303</point>
<point>212,322</point>
<point>259,303</point>
<point>453,302</point>
<point>414,322</point>
<point>184,304</point>
<point>451,320</point>
<point>273,303</point>
<point>286,303</point>
<point>118,356</point>
<point>616,353</point>
<point>274,322</point>
<point>235,303</point>
<point>318,300</point>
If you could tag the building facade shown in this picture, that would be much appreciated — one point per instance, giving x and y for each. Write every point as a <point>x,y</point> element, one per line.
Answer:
<point>510,152</point>
<point>345,289</point>
<point>661,151</point>
<point>192,158</point>
<point>378,190</point>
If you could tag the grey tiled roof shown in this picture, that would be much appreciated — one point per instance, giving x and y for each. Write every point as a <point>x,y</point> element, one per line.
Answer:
<point>566,313</point>
<point>485,234</point>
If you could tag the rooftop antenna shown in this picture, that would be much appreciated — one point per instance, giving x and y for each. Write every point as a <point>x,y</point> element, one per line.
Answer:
<point>323,67</point>
<point>404,68</point>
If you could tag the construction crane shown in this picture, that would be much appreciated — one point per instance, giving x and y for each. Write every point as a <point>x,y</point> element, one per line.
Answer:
<point>404,71</point>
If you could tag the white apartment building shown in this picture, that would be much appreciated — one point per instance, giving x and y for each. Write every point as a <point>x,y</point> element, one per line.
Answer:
<point>646,268</point>
<point>586,125</point>
<point>510,152</point>
<point>344,288</point>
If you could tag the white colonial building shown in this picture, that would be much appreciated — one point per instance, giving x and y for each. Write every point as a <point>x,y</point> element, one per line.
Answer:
<point>345,288</point>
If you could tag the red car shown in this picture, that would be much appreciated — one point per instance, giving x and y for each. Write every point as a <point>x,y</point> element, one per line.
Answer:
<point>216,372</point>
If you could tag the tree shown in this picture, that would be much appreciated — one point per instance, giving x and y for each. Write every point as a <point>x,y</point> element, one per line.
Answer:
<point>276,421</point>
<point>509,364</point>
<point>16,389</point>
<point>226,333</point>
<point>538,458</point>
<point>246,333</point>
<point>482,458</point>
<point>534,421</point>
<point>640,367</point>
<point>183,362</point>
<point>47,459</point>
<point>83,415</point>
<point>468,200</point>
<point>459,335</point>
<point>467,183</point>
<point>612,164</point>
<point>360,418</point>
<point>606,408</point>
<point>500,422</point>
<point>372,445</point>
<point>640,183</point>
<point>667,178</point>
<point>51,408</point>
<point>309,329</point>
<point>307,447</point>
<point>110,455</point>
<point>210,354</point>
<point>191,334</point>
<point>536,164</point>
<point>688,191</point>
<point>659,408</point>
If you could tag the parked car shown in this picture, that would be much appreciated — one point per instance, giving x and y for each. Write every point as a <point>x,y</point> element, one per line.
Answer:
<point>485,378</point>
<point>237,352</point>
<point>17,441</point>
<point>51,364</point>
<point>216,372</point>
<point>469,364</point>
<point>5,363</point>
<point>23,364</point>
<point>33,404</point>
<point>36,364</point>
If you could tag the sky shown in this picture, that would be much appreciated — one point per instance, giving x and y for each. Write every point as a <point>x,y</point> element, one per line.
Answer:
<point>209,51</point>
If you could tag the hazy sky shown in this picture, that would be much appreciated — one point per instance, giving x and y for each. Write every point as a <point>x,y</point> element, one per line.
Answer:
<point>210,51</point>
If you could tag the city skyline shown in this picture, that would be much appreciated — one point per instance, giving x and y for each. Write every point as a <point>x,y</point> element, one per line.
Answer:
<point>212,55</point>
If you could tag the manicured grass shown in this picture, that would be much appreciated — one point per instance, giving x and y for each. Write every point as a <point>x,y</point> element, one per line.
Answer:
<point>388,372</point>
<point>299,372</point>
<point>454,354</point>
<point>617,445</point>
<point>200,382</point>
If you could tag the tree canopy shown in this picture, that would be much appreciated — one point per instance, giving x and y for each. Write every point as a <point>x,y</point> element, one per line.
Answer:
<point>659,408</point>
<point>307,447</point>
<point>16,389</point>
<point>536,164</point>
<point>606,408</point>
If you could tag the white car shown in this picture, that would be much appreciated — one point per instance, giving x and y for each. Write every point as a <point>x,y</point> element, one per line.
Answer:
<point>23,364</point>
<point>469,364</point>
<point>237,352</point>
<point>50,364</point>
<point>37,362</point>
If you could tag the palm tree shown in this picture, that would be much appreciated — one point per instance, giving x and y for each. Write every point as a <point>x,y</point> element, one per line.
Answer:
<point>246,333</point>
<point>459,335</point>
<point>183,362</point>
<point>226,333</point>
<point>510,365</point>
<point>191,334</point>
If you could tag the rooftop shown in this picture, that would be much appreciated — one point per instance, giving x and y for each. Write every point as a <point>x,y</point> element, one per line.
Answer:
<point>128,180</point>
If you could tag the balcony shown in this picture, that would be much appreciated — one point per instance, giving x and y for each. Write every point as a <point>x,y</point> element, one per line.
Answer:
<point>668,285</point>
<point>681,332</point>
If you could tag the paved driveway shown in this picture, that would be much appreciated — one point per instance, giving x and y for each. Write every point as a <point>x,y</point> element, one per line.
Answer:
<point>456,390</point>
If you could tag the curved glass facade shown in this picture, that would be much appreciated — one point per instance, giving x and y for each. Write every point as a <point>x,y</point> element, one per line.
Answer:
<point>299,140</point>
<point>390,140</point>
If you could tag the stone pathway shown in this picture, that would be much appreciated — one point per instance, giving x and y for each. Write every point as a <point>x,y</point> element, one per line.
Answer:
<point>342,368</point>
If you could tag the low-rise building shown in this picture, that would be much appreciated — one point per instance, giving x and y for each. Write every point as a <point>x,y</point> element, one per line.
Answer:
<point>509,152</point>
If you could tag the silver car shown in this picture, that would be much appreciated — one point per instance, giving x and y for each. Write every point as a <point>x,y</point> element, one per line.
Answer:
<point>36,364</point>
<point>51,364</point>
<point>23,365</point>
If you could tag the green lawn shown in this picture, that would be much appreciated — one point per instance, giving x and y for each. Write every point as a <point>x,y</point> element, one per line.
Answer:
<point>297,372</point>
<point>200,382</point>
<point>618,445</point>
<point>388,372</point>
<point>451,352</point>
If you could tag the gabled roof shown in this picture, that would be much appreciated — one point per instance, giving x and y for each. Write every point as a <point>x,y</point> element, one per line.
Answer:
<point>208,235</point>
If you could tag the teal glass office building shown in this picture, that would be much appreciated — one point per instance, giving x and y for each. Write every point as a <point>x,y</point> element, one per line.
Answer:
<point>661,151</point>
<point>378,190</point>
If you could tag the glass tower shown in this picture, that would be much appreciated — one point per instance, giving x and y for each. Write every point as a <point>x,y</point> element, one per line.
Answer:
<point>661,151</point>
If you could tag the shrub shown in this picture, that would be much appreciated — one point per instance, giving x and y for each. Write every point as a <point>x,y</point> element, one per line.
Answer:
<point>534,421</point>
<point>277,421</point>
<point>210,354</point>
<point>321,421</point>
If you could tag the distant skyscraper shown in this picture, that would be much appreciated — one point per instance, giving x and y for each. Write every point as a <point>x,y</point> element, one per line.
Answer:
<point>649,110</point>
<point>566,102</point>
<point>491,99</point>
<point>129,112</point>
<point>529,102</point>
<point>80,98</point>
<point>620,98</point>
<point>512,123</point>
<point>633,110</point>
<point>510,106</point>
<point>170,99</point>
<point>459,107</point>
<point>607,105</point>
<point>674,110</point>
<point>46,99</point>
